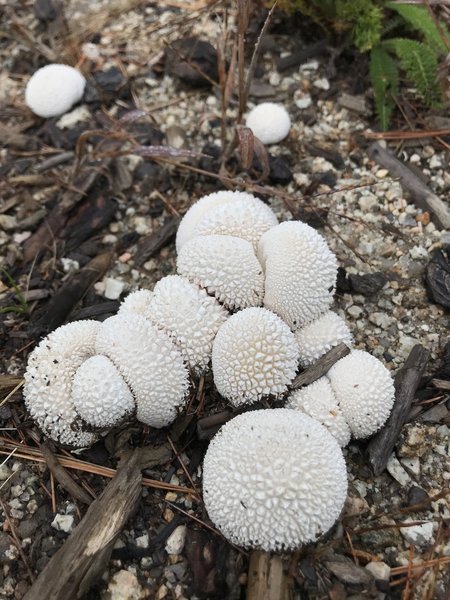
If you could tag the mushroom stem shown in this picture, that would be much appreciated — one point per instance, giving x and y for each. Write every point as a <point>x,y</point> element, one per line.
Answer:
<point>267,578</point>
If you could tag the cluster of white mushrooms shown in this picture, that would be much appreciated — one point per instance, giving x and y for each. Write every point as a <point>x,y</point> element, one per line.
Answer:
<point>251,298</point>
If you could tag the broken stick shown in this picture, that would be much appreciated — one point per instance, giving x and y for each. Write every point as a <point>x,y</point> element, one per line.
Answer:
<point>83,557</point>
<point>267,578</point>
<point>420,193</point>
<point>406,383</point>
<point>321,367</point>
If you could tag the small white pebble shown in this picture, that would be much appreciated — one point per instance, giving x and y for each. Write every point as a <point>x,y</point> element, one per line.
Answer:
<point>113,288</point>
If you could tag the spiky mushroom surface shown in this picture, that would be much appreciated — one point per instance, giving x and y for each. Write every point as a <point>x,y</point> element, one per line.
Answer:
<point>315,339</point>
<point>54,89</point>
<point>225,266</point>
<point>269,122</point>
<point>245,217</point>
<point>319,402</point>
<point>137,302</point>
<point>189,316</point>
<point>365,391</point>
<point>201,208</point>
<point>100,395</point>
<point>49,377</point>
<point>149,362</point>
<point>254,355</point>
<point>274,480</point>
<point>300,272</point>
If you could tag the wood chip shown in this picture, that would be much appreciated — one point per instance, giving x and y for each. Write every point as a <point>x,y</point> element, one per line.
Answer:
<point>406,383</point>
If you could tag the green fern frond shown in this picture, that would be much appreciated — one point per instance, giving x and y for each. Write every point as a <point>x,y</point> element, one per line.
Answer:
<point>364,19</point>
<point>420,19</point>
<point>420,65</point>
<point>384,77</point>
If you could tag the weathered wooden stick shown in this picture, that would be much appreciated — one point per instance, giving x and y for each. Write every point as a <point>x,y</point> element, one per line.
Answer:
<point>302,55</point>
<point>208,426</point>
<point>83,557</point>
<point>421,194</point>
<point>151,244</point>
<point>406,382</point>
<point>63,477</point>
<point>321,367</point>
<point>62,303</point>
<point>267,578</point>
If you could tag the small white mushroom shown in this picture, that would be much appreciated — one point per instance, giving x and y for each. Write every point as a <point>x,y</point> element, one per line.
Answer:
<point>137,302</point>
<point>274,480</point>
<point>364,390</point>
<point>189,316</point>
<point>100,395</point>
<point>200,208</point>
<point>49,377</point>
<point>245,217</point>
<point>150,364</point>
<point>317,338</point>
<point>319,402</point>
<point>300,272</point>
<point>254,355</point>
<point>225,266</point>
<point>269,122</point>
<point>54,89</point>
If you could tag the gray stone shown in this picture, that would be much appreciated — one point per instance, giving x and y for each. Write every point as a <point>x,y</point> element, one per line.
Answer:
<point>63,523</point>
<point>379,570</point>
<point>348,572</point>
<point>175,541</point>
<point>395,469</point>
<point>124,586</point>
<point>418,534</point>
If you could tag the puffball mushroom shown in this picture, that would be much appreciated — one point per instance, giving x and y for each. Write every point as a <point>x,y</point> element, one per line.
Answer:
<point>54,89</point>
<point>319,402</point>
<point>274,480</point>
<point>189,316</point>
<point>225,266</point>
<point>245,217</point>
<point>150,364</point>
<point>317,338</point>
<point>48,381</point>
<point>137,302</point>
<point>364,390</point>
<point>100,395</point>
<point>300,272</point>
<point>254,355</point>
<point>199,209</point>
<point>227,213</point>
<point>269,122</point>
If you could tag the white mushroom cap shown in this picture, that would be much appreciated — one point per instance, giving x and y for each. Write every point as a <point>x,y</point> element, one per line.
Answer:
<point>100,395</point>
<point>365,391</point>
<point>274,479</point>
<point>136,302</point>
<point>315,339</point>
<point>245,217</point>
<point>48,381</point>
<point>225,266</point>
<point>200,208</point>
<point>254,354</point>
<point>54,89</point>
<point>189,316</point>
<point>300,272</point>
<point>270,122</point>
<point>150,364</point>
<point>319,402</point>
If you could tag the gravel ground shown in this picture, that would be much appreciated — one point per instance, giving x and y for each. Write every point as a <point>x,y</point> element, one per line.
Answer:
<point>371,227</point>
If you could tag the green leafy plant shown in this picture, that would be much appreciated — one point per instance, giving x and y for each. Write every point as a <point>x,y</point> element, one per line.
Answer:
<point>414,54</point>
<point>22,306</point>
